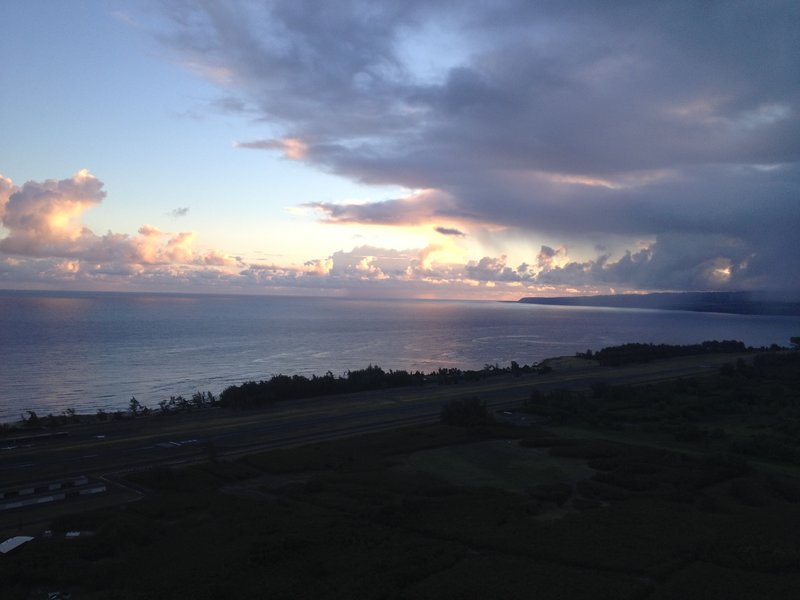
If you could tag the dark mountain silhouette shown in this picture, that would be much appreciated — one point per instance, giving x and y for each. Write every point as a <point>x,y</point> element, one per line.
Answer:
<point>746,303</point>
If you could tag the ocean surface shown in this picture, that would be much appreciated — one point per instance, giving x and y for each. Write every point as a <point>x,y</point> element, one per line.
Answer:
<point>89,351</point>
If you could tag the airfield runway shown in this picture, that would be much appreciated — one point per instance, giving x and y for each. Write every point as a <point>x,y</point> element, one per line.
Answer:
<point>114,447</point>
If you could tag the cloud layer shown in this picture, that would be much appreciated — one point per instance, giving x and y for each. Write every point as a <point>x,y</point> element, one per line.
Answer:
<point>672,129</point>
<point>47,244</point>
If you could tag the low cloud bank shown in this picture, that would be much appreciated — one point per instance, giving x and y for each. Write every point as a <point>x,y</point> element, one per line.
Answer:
<point>46,244</point>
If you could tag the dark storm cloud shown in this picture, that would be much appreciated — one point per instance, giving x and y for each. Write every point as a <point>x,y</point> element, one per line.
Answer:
<point>673,262</point>
<point>657,121</point>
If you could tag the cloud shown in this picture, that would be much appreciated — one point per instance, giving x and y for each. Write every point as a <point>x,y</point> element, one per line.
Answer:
<point>450,231</point>
<point>672,262</point>
<point>292,148</point>
<point>47,244</point>
<point>414,209</point>
<point>7,188</point>
<point>570,120</point>
<point>372,263</point>
<point>491,269</point>
<point>216,258</point>
<point>43,218</point>
<point>43,221</point>
<point>547,257</point>
<point>318,266</point>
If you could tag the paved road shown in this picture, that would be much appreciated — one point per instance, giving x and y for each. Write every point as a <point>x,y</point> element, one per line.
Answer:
<point>107,448</point>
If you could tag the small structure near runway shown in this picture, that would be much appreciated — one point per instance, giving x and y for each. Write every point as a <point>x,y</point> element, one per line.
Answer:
<point>13,543</point>
<point>36,495</point>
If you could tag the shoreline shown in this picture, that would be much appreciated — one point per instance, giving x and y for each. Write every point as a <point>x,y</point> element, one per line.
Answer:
<point>634,352</point>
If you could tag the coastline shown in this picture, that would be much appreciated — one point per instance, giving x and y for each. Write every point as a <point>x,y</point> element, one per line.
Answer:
<point>95,352</point>
<point>287,390</point>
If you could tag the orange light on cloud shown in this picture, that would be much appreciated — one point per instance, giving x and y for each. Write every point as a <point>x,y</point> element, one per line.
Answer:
<point>622,181</point>
<point>294,148</point>
<point>580,180</point>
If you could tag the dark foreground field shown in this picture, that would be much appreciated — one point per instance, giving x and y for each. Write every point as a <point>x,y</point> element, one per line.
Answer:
<point>617,493</point>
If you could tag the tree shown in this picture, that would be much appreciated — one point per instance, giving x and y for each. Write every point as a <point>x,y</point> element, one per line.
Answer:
<point>134,407</point>
<point>32,420</point>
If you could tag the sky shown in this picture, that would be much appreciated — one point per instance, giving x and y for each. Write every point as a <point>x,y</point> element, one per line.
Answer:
<point>433,149</point>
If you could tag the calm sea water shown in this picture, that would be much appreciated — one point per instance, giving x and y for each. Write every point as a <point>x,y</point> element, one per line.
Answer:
<point>88,351</point>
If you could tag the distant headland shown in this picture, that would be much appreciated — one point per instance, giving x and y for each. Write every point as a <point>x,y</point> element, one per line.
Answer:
<point>744,303</point>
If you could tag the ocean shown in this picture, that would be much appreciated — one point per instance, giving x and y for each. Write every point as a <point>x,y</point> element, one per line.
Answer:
<point>90,351</point>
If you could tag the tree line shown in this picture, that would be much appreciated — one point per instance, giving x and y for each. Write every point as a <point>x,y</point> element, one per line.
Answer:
<point>615,356</point>
<point>278,388</point>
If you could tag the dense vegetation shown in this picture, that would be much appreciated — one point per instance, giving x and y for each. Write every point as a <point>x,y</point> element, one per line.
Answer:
<point>284,387</point>
<point>750,409</point>
<point>625,354</point>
